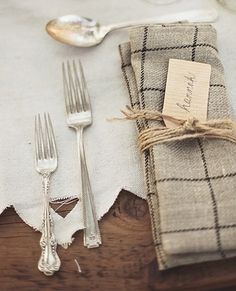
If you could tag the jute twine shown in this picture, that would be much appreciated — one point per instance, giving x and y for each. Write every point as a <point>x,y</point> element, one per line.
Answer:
<point>189,128</point>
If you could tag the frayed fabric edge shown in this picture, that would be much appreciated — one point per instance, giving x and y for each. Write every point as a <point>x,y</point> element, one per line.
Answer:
<point>65,244</point>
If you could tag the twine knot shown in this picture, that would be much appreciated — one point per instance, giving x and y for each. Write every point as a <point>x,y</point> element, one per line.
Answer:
<point>190,125</point>
<point>189,128</point>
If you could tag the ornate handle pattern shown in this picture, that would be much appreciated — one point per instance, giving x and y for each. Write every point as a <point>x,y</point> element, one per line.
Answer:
<point>49,261</point>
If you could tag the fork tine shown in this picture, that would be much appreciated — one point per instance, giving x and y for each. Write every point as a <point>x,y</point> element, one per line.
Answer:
<point>37,151</point>
<point>84,86</point>
<point>47,147</point>
<point>41,138</point>
<point>70,89</point>
<point>79,101</point>
<point>78,88</point>
<point>51,135</point>
<point>66,90</point>
<point>74,94</point>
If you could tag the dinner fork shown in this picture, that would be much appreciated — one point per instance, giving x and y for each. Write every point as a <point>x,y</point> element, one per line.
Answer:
<point>46,164</point>
<point>79,116</point>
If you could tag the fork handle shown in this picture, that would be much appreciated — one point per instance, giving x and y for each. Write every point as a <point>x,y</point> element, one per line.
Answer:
<point>49,261</point>
<point>92,236</point>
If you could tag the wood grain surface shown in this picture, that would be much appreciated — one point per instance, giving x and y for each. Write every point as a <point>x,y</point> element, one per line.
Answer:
<point>125,261</point>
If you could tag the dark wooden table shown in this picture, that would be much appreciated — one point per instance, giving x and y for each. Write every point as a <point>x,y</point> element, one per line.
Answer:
<point>125,261</point>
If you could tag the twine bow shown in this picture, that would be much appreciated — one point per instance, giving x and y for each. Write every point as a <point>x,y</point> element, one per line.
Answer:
<point>189,128</point>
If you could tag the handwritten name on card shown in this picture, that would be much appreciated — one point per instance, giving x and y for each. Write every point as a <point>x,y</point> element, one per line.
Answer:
<point>187,90</point>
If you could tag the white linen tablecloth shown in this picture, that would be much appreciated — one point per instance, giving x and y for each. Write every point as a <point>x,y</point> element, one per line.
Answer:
<point>31,82</point>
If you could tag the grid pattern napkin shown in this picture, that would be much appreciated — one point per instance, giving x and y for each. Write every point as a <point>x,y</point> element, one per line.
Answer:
<point>191,185</point>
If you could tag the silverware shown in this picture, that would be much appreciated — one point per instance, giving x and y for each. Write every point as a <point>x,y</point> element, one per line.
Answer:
<point>79,116</point>
<point>228,4</point>
<point>46,164</point>
<point>84,32</point>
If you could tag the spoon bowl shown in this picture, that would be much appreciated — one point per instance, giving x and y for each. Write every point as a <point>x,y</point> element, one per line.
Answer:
<point>76,30</point>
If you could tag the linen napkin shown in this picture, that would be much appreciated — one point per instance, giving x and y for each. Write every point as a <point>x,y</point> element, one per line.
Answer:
<point>190,184</point>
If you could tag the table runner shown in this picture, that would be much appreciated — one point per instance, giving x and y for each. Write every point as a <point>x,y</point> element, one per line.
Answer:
<point>31,83</point>
<point>190,184</point>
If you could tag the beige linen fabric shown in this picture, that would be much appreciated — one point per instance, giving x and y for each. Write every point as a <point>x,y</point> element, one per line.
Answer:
<point>191,185</point>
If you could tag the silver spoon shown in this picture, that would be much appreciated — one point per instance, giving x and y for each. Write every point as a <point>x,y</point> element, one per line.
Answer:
<point>84,32</point>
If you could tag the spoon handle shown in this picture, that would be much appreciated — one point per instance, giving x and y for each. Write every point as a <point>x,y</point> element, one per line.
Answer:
<point>200,15</point>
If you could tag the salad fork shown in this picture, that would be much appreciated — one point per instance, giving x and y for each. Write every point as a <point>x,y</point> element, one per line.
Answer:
<point>79,116</point>
<point>46,164</point>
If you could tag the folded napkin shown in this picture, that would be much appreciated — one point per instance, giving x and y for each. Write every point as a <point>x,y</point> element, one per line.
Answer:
<point>190,184</point>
